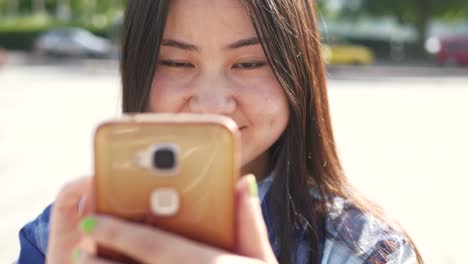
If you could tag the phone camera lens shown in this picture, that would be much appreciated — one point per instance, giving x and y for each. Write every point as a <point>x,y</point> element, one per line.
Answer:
<point>164,159</point>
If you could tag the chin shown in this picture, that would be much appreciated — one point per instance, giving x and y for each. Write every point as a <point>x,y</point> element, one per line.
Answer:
<point>246,158</point>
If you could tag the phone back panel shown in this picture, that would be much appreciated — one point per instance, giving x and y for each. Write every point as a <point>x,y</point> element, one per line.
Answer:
<point>205,181</point>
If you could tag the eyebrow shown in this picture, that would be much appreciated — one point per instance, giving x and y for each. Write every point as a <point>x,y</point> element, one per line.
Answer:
<point>244,42</point>
<point>179,45</point>
<point>190,47</point>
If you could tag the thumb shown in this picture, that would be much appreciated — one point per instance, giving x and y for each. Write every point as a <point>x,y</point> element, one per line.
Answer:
<point>252,236</point>
<point>67,204</point>
<point>64,218</point>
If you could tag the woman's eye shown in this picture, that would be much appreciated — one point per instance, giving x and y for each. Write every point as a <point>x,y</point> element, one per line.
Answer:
<point>249,65</point>
<point>176,64</point>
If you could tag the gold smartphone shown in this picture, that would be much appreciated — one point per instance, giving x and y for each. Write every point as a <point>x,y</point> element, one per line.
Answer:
<point>177,172</point>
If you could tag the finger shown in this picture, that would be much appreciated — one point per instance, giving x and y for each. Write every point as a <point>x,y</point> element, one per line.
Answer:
<point>69,196</point>
<point>82,257</point>
<point>64,215</point>
<point>86,204</point>
<point>252,236</point>
<point>87,244</point>
<point>146,243</point>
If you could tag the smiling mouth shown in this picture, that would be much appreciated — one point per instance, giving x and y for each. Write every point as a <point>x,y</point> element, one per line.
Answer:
<point>242,128</point>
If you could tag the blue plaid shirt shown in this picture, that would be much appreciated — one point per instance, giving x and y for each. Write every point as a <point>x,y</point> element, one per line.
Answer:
<point>351,236</point>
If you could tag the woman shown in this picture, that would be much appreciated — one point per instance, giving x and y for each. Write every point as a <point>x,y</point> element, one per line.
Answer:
<point>258,62</point>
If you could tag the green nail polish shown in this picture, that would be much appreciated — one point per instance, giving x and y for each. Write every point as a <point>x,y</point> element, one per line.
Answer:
<point>76,253</point>
<point>88,225</point>
<point>253,188</point>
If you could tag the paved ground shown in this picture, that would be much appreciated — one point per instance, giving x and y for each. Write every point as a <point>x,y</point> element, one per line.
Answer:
<point>403,140</point>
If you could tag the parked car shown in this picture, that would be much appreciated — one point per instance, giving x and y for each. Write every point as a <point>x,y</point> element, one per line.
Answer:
<point>451,50</point>
<point>72,42</point>
<point>347,54</point>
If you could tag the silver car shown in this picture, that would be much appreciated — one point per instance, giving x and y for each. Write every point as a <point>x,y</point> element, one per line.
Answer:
<point>72,42</point>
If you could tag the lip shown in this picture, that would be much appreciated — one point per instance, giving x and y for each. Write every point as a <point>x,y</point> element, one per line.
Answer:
<point>242,128</point>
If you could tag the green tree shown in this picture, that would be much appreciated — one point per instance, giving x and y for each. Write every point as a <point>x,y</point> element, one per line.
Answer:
<point>2,7</point>
<point>12,7</point>
<point>417,13</point>
<point>39,6</point>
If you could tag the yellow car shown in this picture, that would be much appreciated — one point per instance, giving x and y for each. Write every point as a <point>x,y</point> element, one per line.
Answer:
<point>346,54</point>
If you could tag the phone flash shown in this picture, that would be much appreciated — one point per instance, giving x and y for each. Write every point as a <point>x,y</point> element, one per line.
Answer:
<point>164,202</point>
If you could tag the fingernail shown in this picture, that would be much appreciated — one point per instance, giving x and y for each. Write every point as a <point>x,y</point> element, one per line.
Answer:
<point>76,253</point>
<point>88,225</point>
<point>253,188</point>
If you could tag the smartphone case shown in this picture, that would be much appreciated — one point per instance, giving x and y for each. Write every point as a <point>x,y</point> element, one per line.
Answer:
<point>208,168</point>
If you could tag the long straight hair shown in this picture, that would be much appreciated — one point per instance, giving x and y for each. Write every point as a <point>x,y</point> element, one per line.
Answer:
<point>305,154</point>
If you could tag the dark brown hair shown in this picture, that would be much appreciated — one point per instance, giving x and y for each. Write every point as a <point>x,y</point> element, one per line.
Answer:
<point>305,154</point>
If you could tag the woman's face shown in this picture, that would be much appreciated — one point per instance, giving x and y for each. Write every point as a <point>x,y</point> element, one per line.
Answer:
<point>211,61</point>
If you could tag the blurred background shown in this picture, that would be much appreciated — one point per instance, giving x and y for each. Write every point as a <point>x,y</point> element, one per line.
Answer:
<point>398,79</point>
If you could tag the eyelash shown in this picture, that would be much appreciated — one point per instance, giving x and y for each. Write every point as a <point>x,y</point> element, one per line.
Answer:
<point>242,66</point>
<point>176,64</point>
<point>251,65</point>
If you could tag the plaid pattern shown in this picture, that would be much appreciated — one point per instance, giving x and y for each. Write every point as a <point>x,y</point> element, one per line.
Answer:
<point>351,236</point>
<point>356,237</point>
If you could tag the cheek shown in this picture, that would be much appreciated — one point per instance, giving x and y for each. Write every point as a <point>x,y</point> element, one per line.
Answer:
<point>266,102</point>
<point>278,110</point>
<point>266,107</point>
<point>167,94</point>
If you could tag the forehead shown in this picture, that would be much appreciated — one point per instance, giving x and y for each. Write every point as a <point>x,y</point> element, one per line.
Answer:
<point>191,19</point>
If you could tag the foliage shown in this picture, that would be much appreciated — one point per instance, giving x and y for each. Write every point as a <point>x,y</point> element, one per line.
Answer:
<point>417,13</point>
<point>411,11</point>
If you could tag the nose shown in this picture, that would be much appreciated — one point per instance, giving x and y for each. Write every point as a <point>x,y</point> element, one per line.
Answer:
<point>213,96</point>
